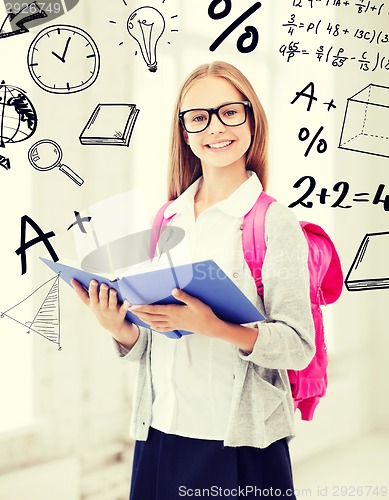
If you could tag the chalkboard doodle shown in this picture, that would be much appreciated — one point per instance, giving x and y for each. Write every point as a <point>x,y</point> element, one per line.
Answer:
<point>308,92</point>
<point>46,154</point>
<point>361,7</point>
<point>18,118</point>
<point>63,59</point>
<point>22,16</point>
<point>40,238</point>
<point>321,144</point>
<point>5,162</point>
<point>357,31</point>
<point>80,222</point>
<point>340,191</point>
<point>250,34</point>
<point>146,25</point>
<point>46,321</point>
<point>369,271</point>
<point>365,121</point>
<point>110,125</point>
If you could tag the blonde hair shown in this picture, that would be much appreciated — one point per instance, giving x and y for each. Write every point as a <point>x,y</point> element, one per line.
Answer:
<point>184,166</point>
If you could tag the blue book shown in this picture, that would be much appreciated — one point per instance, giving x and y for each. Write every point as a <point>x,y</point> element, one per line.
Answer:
<point>204,280</point>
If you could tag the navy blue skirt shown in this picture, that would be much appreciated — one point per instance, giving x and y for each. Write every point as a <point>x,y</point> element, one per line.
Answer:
<point>170,467</point>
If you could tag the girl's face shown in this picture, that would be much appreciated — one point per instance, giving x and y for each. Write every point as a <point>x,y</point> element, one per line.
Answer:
<point>218,145</point>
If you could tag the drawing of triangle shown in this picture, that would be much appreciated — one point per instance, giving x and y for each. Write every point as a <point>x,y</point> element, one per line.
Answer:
<point>46,321</point>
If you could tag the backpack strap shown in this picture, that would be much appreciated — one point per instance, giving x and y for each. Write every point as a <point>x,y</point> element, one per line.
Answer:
<point>325,271</point>
<point>158,224</point>
<point>324,265</point>
<point>253,237</point>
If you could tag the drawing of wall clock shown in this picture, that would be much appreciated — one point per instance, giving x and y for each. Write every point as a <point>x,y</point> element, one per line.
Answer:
<point>63,59</point>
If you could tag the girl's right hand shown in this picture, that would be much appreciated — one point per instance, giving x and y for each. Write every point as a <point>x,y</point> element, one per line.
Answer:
<point>108,312</point>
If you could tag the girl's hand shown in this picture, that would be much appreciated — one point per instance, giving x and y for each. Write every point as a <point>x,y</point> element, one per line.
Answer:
<point>194,316</point>
<point>108,312</point>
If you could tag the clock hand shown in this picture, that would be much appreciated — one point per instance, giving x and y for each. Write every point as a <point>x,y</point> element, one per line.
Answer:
<point>59,57</point>
<point>66,49</point>
<point>62,58</point>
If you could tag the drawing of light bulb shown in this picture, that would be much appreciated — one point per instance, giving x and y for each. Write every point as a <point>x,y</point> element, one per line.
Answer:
<point>146,25</point>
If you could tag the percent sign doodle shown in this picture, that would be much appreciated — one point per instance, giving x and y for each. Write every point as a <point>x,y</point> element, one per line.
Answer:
<point>250,31</point>
<point>321,145</point>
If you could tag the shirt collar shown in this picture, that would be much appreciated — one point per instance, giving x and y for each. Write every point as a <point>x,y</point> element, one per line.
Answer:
<point>184,201</point>
<point>237,204</point>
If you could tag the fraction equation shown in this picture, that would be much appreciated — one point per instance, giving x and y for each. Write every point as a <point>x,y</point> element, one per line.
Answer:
<point>338,57</point>
<point>321,27</point>
<point>361,7</point>
<point>339,196</point>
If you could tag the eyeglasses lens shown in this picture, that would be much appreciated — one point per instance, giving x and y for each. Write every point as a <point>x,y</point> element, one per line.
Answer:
<point>197,120</point>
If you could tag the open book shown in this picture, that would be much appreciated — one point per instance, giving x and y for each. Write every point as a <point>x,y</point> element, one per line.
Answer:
<point>204,280</point>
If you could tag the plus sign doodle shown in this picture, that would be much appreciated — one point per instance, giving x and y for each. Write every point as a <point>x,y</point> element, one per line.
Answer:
<point>251,33</point>
<point>341,190</point>
<point>80,222</point>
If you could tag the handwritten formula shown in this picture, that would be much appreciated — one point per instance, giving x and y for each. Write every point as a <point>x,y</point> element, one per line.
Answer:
<point>355,44</point>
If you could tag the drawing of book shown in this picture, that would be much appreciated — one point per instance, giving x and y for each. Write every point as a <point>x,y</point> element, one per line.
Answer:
<point>370,268</point>
<point>110,125</point>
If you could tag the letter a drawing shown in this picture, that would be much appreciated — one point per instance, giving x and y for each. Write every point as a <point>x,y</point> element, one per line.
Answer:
<point>42,237</point>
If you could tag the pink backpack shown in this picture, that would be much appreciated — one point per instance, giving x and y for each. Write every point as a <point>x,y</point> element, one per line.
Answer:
<point>326,282</point>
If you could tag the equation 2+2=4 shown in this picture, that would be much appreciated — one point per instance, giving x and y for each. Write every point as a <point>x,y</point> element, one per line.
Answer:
<point>341,190</point>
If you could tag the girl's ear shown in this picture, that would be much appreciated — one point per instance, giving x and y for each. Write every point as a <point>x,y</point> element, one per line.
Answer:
<point>185,136</point>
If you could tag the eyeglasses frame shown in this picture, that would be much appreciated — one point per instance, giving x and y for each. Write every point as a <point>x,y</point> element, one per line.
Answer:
<point>211,112</point>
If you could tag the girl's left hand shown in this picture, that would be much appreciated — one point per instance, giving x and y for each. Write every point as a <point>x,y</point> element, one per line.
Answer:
<point>193,316</point>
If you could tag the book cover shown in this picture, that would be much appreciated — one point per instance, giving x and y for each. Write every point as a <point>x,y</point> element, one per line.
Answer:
<point>204,280</point>
<point>369,270</point>
<point>110,125</point>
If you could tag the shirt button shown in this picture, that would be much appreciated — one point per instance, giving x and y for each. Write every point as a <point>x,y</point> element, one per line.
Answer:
<point>241,227</point>
<point>236,275</point>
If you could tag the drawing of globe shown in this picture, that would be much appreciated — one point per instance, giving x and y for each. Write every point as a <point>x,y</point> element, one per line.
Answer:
<point>18,119</point>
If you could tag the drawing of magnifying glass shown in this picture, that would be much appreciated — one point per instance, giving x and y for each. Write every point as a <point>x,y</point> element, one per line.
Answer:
<point>46,155</point>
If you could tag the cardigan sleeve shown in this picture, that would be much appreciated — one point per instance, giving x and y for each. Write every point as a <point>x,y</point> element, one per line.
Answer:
<point>286,338</point>
<point>138,349</point>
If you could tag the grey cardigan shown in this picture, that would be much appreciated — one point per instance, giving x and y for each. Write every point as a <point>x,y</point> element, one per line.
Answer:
<point>262,409</point>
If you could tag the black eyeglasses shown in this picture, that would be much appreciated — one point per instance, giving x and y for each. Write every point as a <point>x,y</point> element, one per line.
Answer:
<point>231,114</point>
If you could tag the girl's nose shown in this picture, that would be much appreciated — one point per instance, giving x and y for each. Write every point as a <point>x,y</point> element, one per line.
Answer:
<point>215,125</point>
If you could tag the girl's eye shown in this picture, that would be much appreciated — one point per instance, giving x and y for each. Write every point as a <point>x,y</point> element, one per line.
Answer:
<point>199,118</point>
<point>230,113</point>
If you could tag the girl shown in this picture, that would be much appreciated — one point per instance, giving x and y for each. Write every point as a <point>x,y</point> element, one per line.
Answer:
<point>213,412</point>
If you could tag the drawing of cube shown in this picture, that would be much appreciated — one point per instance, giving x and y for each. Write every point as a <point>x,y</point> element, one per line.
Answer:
<point>366,121</point>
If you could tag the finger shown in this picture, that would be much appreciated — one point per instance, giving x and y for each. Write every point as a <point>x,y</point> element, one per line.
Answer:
<point>80,290</point>
<point>149,309</point>
<point>103,295</point>
<point>93,293</point>
<point>183,296</point>
<point>113,299</point>
<point>124,307</point>
<point>161,327</point>
<point>150,317</point>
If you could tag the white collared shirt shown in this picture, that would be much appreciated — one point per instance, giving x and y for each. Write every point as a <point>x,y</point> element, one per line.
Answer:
<point>192,377</point>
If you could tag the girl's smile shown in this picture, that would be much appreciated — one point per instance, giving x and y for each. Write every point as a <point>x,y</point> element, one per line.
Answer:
<point>220,145</point>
